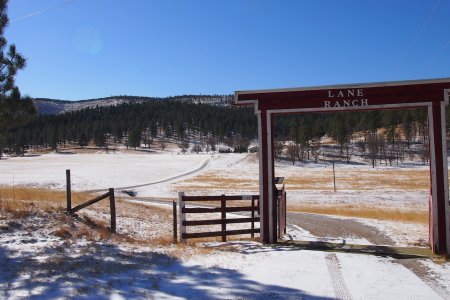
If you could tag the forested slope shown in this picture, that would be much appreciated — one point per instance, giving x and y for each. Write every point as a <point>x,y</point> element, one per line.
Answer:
<point>189,120</point>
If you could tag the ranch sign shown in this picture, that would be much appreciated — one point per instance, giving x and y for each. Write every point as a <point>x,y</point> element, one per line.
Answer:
<point>346,98</point>
<point>431,94</point>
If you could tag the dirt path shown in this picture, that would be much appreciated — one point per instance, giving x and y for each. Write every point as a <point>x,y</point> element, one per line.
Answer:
<point>324,226</point>
<point>426,275</point>
<point>205,163</point>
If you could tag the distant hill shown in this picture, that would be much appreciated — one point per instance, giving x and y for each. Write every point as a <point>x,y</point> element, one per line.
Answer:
<point>53,107</point>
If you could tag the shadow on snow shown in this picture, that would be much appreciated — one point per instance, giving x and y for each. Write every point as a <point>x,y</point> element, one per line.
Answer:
<point>99,271</point>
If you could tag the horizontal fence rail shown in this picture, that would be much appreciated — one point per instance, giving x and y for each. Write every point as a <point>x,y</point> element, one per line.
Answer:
<point>90,202</point>
<point>109,194</point>
<point>223,210</point>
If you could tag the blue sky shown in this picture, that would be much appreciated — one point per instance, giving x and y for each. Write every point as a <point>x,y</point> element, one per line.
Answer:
<point>83,49</point>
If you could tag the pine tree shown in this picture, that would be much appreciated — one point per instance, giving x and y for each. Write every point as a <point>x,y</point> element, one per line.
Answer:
<point>10,62</point>
<point>14,109</point>
<point>134,138</point>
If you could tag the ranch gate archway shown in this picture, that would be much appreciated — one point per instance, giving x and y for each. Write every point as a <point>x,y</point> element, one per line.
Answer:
<point>433,94</point>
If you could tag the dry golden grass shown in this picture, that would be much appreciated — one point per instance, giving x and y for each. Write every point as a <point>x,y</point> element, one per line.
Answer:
<point>213,181</point>
<point>360,180</point>
<point>313,179</point>
<point>140,225</point>
<point>364,212</point>
<point>25,198</point>
<point>441,259</point>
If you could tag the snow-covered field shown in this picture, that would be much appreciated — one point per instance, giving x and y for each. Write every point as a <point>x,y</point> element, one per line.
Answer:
<point>95,171</point>
<point>38,263</point>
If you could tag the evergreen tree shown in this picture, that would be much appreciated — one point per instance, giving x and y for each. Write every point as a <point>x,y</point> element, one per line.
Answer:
<point>11,61</point>
<point>52,138</point>
<point>134,138</point>
<point>13,109</point>
<point>82,139</point>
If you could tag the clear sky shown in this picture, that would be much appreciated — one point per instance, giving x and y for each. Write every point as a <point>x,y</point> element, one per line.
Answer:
<point>83,49</point>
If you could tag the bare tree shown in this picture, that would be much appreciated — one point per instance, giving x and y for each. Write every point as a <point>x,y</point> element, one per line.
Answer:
<point>411,154</point>
<point>292,152</point>
<point>184,145</point>
<point>278,149</point>
<point>212,143</point>
<point>316,149</point>
<point>361,145</point>
<point>390,153</point>
<point>424,154</point>
<point>346,151</point>
<point>147,138</point>
<point>197,149</point>
<point>162,143</point>
<point>383,148</point>
<point>424,140</point>
<point>372,147</point>
<point>301,151</point>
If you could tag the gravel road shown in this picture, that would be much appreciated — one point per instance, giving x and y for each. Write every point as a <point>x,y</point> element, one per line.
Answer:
<point>324,226</point>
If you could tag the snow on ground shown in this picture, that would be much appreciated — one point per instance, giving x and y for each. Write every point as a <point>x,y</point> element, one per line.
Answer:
<point>38,261</point>
<point>35,263</point>
<point>404,234</point>
<point>407,200</point>
<point>369,277</point>
<point>295,232</point>
<point>96,171</point>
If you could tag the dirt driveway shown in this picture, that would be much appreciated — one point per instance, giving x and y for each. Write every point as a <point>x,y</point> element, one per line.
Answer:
<point>324,226</point>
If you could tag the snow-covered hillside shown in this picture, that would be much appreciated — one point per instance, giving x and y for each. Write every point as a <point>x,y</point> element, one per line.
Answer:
<point>52,106</point>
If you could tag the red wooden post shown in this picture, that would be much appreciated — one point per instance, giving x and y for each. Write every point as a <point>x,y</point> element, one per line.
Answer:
<point>440,227</point>
<point>268,223</point>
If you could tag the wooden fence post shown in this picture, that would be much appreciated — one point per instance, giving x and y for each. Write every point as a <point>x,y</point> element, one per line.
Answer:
<point>112,204</point>
<point>68,191</point>
<point>285,212</point>
<point>253,215</point>
<point>182,217</point>
<point>175,237</point>
<point>223,205</point>
<point>334,178</point>
<point>279,216</point>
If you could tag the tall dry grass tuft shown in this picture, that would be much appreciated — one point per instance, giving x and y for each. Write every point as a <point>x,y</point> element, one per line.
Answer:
<point>365,212</point>
<point>26,199</point>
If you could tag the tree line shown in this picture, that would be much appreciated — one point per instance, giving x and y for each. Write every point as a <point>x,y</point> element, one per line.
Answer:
<point>385,137</point>
<point>136,124</point>
<point>380,136</point>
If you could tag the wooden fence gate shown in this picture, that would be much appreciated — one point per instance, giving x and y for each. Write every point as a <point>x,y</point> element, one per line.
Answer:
<point>223,220</point>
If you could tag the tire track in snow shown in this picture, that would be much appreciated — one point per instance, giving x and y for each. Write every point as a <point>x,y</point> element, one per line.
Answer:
<point>426,275</point>
<point>340,289</point>
<point>204,164</point>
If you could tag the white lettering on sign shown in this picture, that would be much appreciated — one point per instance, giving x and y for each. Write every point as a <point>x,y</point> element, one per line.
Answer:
<point>346,103</point>
<point>346,93</point>
<point>343,98</point>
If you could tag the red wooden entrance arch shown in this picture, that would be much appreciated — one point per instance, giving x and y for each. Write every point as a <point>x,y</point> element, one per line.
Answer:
<point>433,94</point>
